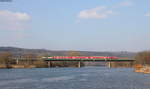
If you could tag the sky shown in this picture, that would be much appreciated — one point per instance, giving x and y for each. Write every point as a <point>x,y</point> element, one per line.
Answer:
<point>87,25</point>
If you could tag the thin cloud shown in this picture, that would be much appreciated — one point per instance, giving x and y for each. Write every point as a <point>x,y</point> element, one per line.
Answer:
<point>13,20</point>
<point>147,14</point>
<point>100,12</point>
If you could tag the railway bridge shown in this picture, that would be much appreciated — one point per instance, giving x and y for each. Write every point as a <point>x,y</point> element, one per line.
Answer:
<point>80,59</point>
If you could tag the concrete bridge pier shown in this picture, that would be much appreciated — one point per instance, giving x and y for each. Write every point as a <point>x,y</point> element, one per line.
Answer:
<point>79,64</point>
<point>49,64</point>
<point>17,61</point>
<point>109,64</point>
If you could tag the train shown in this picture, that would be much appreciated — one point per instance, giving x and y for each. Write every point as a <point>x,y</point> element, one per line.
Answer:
<point>81,57</point>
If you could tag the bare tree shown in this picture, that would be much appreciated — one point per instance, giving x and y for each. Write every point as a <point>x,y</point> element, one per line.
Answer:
<point>143,58</point>
<point>29,58</point>
<point>40,63</point>
<point>6,58</point>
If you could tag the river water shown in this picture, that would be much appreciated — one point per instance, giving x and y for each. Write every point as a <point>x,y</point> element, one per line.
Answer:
<point>73,78</point>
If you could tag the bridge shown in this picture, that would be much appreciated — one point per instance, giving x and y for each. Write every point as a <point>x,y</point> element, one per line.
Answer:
<point>80,59</point>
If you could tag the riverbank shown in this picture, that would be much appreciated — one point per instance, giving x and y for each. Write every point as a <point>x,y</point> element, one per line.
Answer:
<point>142,69</point>
<point>17,66</point>
<point>30,66</point>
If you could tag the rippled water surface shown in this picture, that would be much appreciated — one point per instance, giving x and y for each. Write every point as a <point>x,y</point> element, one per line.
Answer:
<point>73,78</point>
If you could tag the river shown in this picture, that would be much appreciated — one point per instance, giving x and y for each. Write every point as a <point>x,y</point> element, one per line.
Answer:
<point>73,78</point>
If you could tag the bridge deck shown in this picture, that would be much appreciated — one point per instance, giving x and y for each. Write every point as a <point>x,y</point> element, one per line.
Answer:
<point>92,60</point>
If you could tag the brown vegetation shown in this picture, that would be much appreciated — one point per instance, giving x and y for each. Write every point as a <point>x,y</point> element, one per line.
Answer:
<point>33,61</point>
<point>40,63</point>
<point>28,61</point>
<point>5,59</point>
<point>143,58</point>
<point>121,64</point>
<point>142,63</point>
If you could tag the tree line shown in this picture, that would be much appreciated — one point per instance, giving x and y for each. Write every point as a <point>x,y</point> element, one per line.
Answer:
<point>8,60</point>
<point>143,58</point>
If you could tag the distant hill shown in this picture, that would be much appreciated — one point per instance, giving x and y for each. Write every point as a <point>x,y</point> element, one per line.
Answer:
<point>20,51</point>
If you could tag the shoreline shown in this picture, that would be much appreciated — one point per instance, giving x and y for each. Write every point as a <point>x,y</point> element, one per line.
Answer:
<point>142,69</point>
<point>17,66</point>
<point>27,66</point>
<point>34,66</point>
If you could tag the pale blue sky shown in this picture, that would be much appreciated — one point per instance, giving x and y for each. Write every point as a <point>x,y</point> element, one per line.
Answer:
<point>93,25</point>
